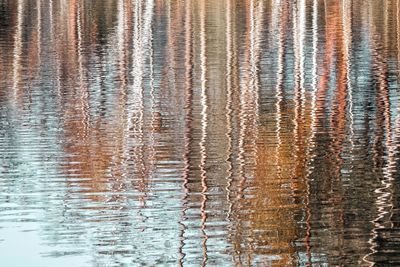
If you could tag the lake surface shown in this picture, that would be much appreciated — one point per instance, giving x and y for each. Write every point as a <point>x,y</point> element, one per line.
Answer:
<point>199,133</point>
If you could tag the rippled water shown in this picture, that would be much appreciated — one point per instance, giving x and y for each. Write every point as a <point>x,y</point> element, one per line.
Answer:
<point>199,133</point>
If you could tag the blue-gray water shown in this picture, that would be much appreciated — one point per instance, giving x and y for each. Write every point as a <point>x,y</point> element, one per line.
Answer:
<point>199,133</point>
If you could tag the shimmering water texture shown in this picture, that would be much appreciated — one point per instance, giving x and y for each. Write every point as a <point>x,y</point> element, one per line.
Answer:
<point>199,133</point>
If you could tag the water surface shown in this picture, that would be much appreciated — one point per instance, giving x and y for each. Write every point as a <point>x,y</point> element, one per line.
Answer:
<point>199,133</point>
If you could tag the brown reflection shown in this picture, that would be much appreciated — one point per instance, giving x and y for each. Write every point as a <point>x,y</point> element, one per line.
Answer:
<point>90,156</point>
<point>266,208</point>
<point>274,228</point>
<point>397,25</point>
<point>231,83</point>
<point>34,47</point>
<point>383,143</point>
<point>338,118</point>
<point>335,64</point>
<point>397,125</point>
<point>188,116</point>
<point>102,155</point>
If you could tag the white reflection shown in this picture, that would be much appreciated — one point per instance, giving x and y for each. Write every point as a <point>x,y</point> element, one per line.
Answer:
<point>279,83</point>
<point>18,49</point>
<point>39,31</point>
<point>203,152</point>
<point>228,107</point>
<point>311,143</point>
<point>347,36</point>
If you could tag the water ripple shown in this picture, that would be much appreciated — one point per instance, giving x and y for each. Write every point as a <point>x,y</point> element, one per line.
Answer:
<point>211,133</point>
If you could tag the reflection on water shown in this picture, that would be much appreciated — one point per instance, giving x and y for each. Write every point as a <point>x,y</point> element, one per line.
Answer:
<point>207,133</point>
